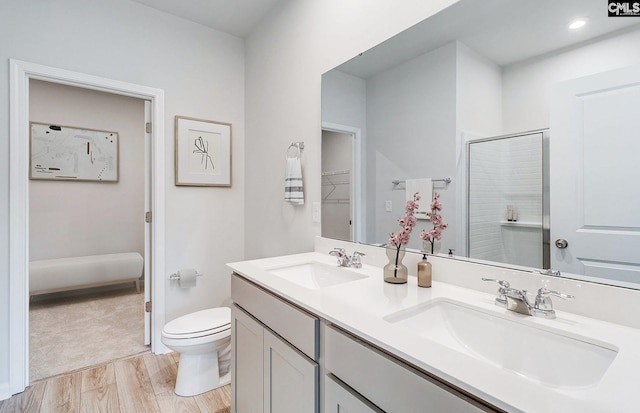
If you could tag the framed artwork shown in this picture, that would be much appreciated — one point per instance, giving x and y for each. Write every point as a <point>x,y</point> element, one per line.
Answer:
<point>203,152</point>
<point>66,153</point>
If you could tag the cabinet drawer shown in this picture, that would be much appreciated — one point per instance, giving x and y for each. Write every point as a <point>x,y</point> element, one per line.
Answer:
<point>392,386</point>
<point>298,327</point>
<point>339,398</point>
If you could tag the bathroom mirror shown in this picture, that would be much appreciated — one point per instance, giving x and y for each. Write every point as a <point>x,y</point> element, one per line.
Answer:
<point>475,94</point>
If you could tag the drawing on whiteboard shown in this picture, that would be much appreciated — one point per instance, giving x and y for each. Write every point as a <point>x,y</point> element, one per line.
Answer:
<point>69,153</point>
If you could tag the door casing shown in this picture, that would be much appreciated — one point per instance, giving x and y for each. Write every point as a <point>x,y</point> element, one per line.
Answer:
<point>20,74</point>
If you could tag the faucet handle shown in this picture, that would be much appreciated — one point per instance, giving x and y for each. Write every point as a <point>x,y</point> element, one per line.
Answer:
<point>503,283</point>
<point>355,259</point>
<point>544,292</point>
<point>338,251</point>
<point>549,271</point>
<point>501,299</point>
<point>543,304</point>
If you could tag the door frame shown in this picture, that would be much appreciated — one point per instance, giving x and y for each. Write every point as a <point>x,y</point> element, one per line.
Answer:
<point>358,212</point>
<point>19,74</point>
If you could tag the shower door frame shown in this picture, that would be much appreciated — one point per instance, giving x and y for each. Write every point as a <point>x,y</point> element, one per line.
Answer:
<point>546,222</point>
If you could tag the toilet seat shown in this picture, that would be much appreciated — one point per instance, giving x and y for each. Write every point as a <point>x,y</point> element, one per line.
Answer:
<point>199,324</point>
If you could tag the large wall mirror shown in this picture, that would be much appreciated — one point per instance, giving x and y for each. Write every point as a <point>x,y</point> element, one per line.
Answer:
<point>526,128</point>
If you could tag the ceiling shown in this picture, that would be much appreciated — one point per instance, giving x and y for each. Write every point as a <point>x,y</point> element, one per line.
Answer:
<point>504,31</point>
<point>236,17</point>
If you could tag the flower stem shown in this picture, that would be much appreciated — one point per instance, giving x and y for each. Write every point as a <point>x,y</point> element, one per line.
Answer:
<point>395,269</point>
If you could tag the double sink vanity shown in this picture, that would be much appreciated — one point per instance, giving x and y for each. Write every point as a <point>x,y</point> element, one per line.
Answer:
<point>310,336</point>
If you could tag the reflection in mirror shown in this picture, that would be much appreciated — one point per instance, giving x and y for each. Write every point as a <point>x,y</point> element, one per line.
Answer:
<point>425,100</point>
<point>507,200</point>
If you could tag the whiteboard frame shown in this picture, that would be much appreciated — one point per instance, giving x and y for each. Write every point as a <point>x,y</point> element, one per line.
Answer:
<point>69,178</point>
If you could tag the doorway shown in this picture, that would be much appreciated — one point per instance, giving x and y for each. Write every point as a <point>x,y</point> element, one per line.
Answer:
<point>337,217</point>
<point>20,75</point>
<point>342,186</point>
<point>87,228</point>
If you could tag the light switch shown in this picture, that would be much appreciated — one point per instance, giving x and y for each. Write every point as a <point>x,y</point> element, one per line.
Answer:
<point>388,205</point>
<point>316,211</point>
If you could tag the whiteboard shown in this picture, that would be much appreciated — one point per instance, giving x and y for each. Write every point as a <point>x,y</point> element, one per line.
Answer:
<point>68,153</point>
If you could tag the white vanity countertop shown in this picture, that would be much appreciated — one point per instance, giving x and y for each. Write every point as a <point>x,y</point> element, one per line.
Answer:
<point>359,307</point>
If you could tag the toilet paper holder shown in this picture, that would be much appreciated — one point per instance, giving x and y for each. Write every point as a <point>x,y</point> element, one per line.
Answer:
<point>176,276</point>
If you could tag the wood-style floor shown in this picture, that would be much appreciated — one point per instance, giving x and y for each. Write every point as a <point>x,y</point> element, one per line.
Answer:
<point>142,384</point>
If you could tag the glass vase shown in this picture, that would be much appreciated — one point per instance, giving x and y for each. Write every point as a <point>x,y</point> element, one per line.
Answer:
<point>431,249</point>
<point>395,272</point>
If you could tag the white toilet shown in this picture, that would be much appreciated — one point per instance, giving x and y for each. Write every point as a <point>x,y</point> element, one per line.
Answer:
<point>203,340</point>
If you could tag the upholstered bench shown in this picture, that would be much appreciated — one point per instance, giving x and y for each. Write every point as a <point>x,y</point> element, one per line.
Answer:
<point>63,274</point>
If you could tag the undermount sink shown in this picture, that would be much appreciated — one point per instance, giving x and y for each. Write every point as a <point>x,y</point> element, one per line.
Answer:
<point>545,356</point>
<point>315,275</point>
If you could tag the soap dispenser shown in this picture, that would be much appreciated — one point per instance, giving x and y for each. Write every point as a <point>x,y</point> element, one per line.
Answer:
<point>424,272</point>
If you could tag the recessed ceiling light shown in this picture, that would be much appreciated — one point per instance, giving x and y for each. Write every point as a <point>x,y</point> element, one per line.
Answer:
<point>576,24</point>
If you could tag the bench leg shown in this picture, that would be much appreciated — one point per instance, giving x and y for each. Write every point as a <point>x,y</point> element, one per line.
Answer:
<point>137,282</point>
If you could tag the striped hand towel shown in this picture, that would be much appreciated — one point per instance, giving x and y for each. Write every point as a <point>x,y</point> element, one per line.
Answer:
<point>293,182</point>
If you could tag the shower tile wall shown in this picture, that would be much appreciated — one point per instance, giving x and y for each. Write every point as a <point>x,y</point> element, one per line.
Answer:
<point>506,172</point>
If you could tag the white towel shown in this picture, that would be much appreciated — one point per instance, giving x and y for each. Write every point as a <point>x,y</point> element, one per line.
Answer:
<point>293,193</point>
<point>425,188</point>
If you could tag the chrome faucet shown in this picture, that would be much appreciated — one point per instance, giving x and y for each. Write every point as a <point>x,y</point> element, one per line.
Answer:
<point>344,260</point>
<point>517,300</point>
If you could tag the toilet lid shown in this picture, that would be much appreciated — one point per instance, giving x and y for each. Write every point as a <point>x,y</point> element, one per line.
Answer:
<point>200,323</point>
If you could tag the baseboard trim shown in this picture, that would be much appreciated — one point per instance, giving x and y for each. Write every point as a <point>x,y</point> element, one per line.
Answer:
<point>4,391</point>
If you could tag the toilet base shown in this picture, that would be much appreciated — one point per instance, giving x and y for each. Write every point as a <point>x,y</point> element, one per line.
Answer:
<point>198,373</point>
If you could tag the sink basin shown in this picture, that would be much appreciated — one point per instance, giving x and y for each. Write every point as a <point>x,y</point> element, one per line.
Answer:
<point>546,356</point>
<point>316,275</point>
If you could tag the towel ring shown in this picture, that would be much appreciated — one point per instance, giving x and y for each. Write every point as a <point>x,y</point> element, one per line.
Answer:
<point>298,146</point>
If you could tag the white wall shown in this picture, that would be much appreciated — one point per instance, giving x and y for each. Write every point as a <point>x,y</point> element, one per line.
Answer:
<point>71,219</point>
<point>527,85</point>
<point>344,102</point>
<point>286,56</point>
<point>479,93</point>
<point>411,124</point>
<point>202,73</point>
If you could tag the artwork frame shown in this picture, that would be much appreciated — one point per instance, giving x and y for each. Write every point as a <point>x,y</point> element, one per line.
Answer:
<point>202,152</point>
<point>57,153</point>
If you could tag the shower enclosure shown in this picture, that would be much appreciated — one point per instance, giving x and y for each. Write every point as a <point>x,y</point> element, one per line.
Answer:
<point>508,199</point>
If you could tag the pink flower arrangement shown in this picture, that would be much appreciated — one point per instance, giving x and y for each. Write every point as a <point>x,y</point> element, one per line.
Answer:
<point>407,223</point>
<point>436,220</point>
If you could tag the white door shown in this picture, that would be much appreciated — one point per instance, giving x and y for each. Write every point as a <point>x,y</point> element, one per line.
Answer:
<point>595,176</point>
<point>147,226</point>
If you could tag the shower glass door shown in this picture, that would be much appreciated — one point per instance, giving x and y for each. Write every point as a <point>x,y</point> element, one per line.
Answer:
<point>506,199</point>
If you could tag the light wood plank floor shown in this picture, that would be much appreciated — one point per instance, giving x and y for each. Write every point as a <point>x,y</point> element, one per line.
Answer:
<point>141,384</point>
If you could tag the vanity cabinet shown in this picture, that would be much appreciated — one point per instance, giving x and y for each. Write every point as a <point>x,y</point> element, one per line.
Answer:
<point>269,373</point>
<point>392,386</point>
<point>276,365</point>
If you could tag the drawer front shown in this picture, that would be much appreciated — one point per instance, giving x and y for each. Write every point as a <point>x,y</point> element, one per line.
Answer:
<point>339,398</point>
<point>388,384</point>
<point>298,327</point>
